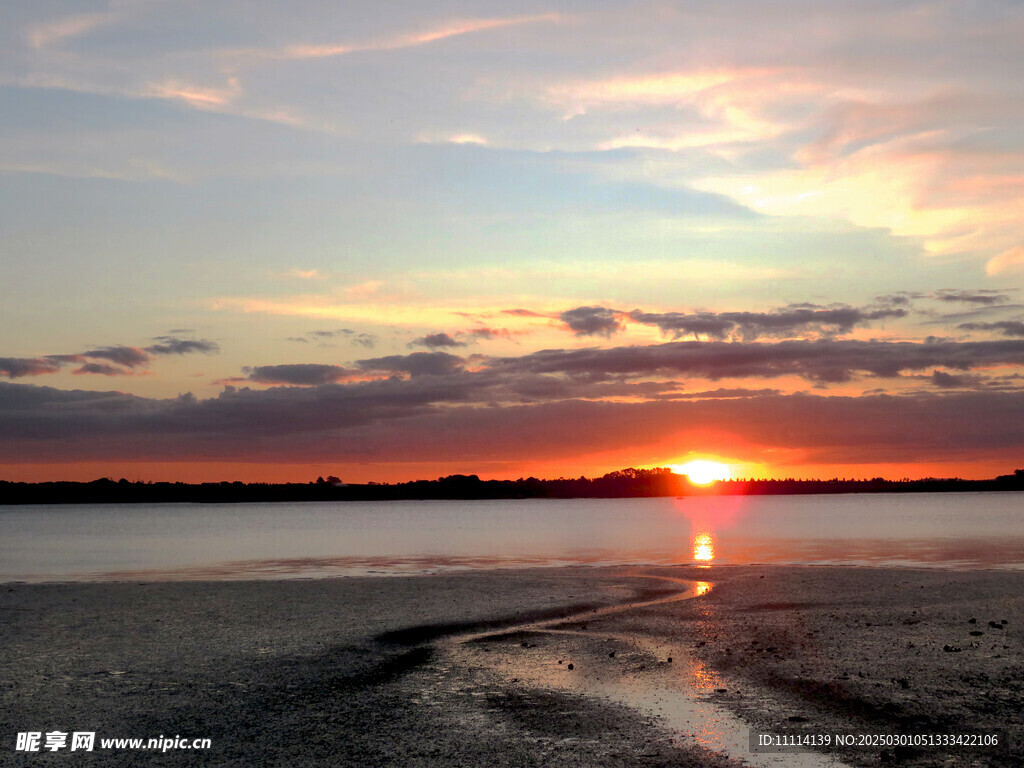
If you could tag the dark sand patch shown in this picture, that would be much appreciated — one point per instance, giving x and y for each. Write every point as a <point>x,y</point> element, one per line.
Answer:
<point>350,672</point>
<point>295,673</point>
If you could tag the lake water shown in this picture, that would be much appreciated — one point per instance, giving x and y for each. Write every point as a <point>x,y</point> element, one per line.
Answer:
<point>301,540</point>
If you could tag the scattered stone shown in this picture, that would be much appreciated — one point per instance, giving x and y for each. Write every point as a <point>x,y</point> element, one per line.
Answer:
<point>669,659</point>
<point>721,690</point>
<point>972,621</point>
<point>995,625</point>
<point>1004,622</point>
<point>797,719</point>
<point>570,667</point>
<point>952,648</point>
<point>611,655</point>
<point>976,632</point>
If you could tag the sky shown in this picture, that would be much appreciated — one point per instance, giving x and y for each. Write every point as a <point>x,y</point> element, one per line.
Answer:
<point>389,241</point>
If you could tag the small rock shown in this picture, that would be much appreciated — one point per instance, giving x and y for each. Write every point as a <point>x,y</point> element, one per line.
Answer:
<point>797,719</point>
<point>570,667</point>
<point>1004,622</point>
<point>669,659</point>
<point>976,632</point>
<point>611,655</point>
<point>972,621</point>
<point>995,625</point>
<point>721,690</point>
<point>952,648</point>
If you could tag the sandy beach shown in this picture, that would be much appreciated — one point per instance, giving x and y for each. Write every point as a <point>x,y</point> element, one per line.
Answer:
<point>525,667</point>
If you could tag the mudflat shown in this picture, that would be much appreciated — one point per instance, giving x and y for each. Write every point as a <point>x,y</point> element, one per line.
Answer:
<point>519,667</point>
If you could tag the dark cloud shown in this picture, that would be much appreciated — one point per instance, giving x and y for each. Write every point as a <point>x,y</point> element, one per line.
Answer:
<point>16,367</point>
<point>591,321</point>
<point>437,341</point>
<point>301,374</point>
<point>415,364</point>
<point>944,380</point>
<point>788,321</point>
<point>442,340</point>
<point>899,299</point>
<point>1006,327</point>
<point>982,296</point>
<point>332,334</point>
<point>101,369</point>
<point>437,419</point>
<point>323,336</point>
<point>127,357</point>
<point>678,325</point>
<point>488,333</point>
<point>130,357</point>
<point>818,361</point>
<point>172,345</point>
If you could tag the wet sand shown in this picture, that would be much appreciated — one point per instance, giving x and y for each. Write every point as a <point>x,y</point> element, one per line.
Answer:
<point>472,669</point>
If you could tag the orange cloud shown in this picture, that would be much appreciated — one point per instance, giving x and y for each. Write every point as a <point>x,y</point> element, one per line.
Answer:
<point>1010,260</point>
<point>197,96</point>
<point>453,28</point>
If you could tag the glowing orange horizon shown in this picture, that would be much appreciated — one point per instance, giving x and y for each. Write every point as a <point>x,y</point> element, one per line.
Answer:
<point>703,471</point>
<point>253,471</point>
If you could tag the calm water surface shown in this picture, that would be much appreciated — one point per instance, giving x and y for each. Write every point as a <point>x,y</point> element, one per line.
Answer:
<point>294,540</point>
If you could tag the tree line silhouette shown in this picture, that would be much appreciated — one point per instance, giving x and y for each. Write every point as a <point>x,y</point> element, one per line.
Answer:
<point>624,483</point>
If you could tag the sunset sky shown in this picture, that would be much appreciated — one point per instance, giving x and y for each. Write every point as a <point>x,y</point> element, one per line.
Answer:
<point>389,241</point>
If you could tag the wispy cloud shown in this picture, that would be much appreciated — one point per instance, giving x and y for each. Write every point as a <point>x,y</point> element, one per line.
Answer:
<point>125,359</point>
<point>198,96</point>
<point>444,30</point>
<point>53,32</point>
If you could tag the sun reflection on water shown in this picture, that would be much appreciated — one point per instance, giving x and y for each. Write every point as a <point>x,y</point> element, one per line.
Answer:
<point>703,548</point>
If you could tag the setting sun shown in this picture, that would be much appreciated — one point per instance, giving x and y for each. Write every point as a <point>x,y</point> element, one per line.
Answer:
<point>703,472</point>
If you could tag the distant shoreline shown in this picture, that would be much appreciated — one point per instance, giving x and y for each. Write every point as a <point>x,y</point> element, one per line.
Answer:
<point>631,483</point>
